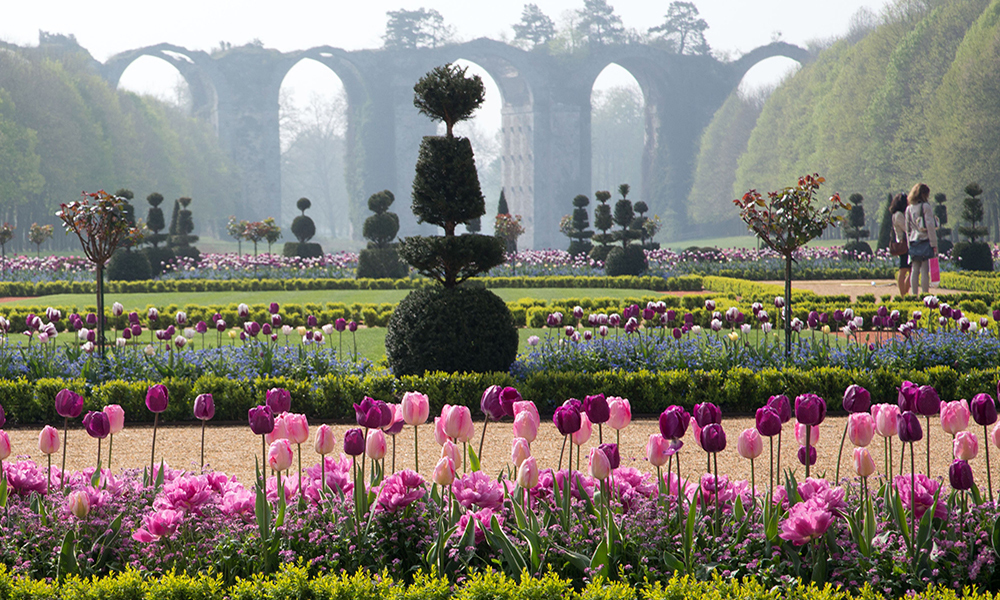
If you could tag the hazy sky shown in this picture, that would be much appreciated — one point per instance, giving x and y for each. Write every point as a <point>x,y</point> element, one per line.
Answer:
<point>106,27</point>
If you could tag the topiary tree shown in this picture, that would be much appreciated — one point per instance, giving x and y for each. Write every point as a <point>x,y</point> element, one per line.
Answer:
<point>181,230</point>
<point>943,233</point>
<point>303,228</point>
<point>154,219</point>
<point>973,254</point>
<point>502,208</point>
<point>237,231</point>
<point>472,328</point>
<point>885,231</point>
<point>603,221</point>
<point>577,229</point>
<point>380,260</point>
<point>628,259</point>
<point>855,229</point>
<point>6,235</point>
<point>126,265</point>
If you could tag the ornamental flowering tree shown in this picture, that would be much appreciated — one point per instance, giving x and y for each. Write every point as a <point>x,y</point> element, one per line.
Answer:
<point>786,221</point>
<point>6,235</point>
<point>101,223</point>
<point>38,235</point>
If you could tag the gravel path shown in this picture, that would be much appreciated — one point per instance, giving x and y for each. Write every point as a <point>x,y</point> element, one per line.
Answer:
<point>855,287</point>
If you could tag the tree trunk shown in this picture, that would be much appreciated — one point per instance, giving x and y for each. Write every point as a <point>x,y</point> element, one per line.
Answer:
<point>100,309</point>
<point>788,307</point>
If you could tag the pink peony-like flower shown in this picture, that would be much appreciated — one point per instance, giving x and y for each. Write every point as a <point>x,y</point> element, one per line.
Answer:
<point>832,498</point>
<point>480,521</point>
<point>163,523</point>
<point>400,490</point>
<point>926,490</point>
<point>806,521</point>
<point>187,494</point>
<point>289,484</point>
<point>477,489</point>
<point>338,477</point>
<point>238,501</point>
<point>25,477</point>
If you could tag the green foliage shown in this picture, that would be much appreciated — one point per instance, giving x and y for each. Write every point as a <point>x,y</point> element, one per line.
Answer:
<point>381,263</point>
<point>682,31</point>
<point>458,329</point>
<point>597,24</point>
<point>381,228</point>
<point>303,228</point>
<point>452,259</point>
<point>445,94</point>
<point>302,250</point>
<point>421,28</point>
<point>129,265</point>
<point>604,222</point>
<point>579,231</point>
<point>157,257</point>
<point>973,256</point>
<point>19,160</point>
<point>972,214</point>
<point>630,260</point>
<point>535,28</point>
<point>446,188</point>
<point>303,204</point>
<point>502,208</point>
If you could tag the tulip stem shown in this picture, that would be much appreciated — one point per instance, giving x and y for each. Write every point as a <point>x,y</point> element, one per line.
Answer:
<point>152,451</point>
<point>111,445</point>
<point>989,472</point>
<point>300,467</point>
<point>48,475</point>
<point>680,502</point>
<point>777,468</point>
<point>840,453</point>
<point>393,454</point>
<point>263,459</point>
<point>486,422</point>
<point>902,456</point>
<point>98,455</point>
<point>913,506</point>
<point>600,433</point>
<point>561,452</point>
<point>416,451</point>
<point>808,453</point>
<point>718,521</point>
<point>202,448</point>
<point>770,490</point>
<point>62,472</point>
<point>753,484</point>
<point>322,475</point>
<point>928,445</point>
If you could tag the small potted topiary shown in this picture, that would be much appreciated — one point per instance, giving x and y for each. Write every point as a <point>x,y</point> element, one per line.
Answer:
<point>452,327</point>
<point>126,263</point>
<point>855,230</point>
<point>303,229</point>
<point>181,230</point>
<point>629,259</point>
<point>380,260</point>
<point>973,254</point>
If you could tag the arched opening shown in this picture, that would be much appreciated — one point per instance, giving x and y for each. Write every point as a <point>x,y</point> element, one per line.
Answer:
<point>764,76</point>
<point>483,130</point>
<point>155,77</point>
<point>313,126</point>
<point>617,130</point>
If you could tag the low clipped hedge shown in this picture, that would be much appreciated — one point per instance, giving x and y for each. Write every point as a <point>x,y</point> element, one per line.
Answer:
<point>332,397</point>
<point>21,289</point>
<point>295,582</point>
<point>988,283</point>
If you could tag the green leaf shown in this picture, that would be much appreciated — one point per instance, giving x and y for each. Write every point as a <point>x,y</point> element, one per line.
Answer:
<point>580,561</point>
<point>67,557</point>
<point>600,559</point>
<point>473,459</point>
<point>96,477</point>
<point>673,563</point>
<point>513,555</point>
<point>995,536</point>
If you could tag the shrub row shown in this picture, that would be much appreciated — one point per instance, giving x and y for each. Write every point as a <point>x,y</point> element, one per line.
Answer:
<point>332,397</point>
<point>22,289</point>
<point>756,292</point>
<point>294,582</point>
<point>970,281</point>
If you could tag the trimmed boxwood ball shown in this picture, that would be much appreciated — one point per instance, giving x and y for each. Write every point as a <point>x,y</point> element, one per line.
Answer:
<point>857,248</point>
<point>129,265</point>
<point>307,250</point>
<point>973,256</point>
<point>630,260</point>
<point>381,263</point>
<point>157,257</point>
<point>460,329</point>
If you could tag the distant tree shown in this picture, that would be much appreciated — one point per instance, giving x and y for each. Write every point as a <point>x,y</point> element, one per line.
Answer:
<point>421,28</point>
<point>38,235</point>
<point>682,31</point>
<point>303,227</point>
<point>535,28</point>
<point>944,233</point>
<point>154,219</point>
<point>6,235</point>
<point>855,229</point>
<point>973,254</point>
<point>502,208</point>
<point>237,231</point>
<point>446,94</point>
<point>272,234</point>
<point>599,25</point>
<point>603,221</point>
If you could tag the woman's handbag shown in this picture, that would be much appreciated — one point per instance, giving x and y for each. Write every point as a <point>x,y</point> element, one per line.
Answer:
<point>899,248</point>
<point>921,250</point>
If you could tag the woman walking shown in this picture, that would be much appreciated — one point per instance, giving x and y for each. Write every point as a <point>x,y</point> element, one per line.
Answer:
<point>921,235</point>
<point>898,211</point>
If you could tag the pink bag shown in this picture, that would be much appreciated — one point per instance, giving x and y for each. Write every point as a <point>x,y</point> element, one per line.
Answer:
<point>935,272</point>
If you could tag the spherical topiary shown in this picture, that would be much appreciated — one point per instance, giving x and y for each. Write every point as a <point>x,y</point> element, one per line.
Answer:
<point>600,252</point>
<point>460,329</point>
<point>127,265</point>
<point>307,250</point>
<point>973,256</point>
<point>857,248</point>
<point>303,228</point>
<point>187,252</point>
<point>158,257</point>
<point>381,228</point>
<point>381,263</point>
<point>303,204</point>
<point>630,260</point>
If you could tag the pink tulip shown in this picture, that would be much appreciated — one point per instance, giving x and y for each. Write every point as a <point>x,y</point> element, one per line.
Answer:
<point>296,428</point>
<point>519,451</point>
<point>526,406</point>
<point>439,434</point>
<point>279,455</point>
<point>586,430</point>
<point>526,426</point>
<point>527,473</point>
<point>800,434</point>
<point>696,430</point>
<point>955,416</point>
<point>749,445</point>
<point>325,441</point>
<point>395,425</point>
<point>280,431</point>
<point>621,413</point>
<point>444,472</point>
<point>966,445</point>
<point>416,408</point>
<point>860,428</point>
<point>458,424</point>
<point>375,447</point>
<point>864,465</point>
<point>4,445</point>
<point>995,435</point>
<point>657,450</point>
<point>158,525</point>
<point>885,419</point>
<point>600,466</point>
<point>116,417</point>
<point>48,440</point>
<point>450,450</point>
<point>78,504</point>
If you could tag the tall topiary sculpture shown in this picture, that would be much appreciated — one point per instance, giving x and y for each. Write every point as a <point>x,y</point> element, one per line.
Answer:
<point>303,228</point>
<point>855,230</point>
<point>945,244</point>
<point>450,327</point>
<point>603,221</point>
<point>973,254</point>
<point>181,230</point>
<point>629,259</point>
<point>126,264</point>
<point>380,260</point>
<point>578,228</point>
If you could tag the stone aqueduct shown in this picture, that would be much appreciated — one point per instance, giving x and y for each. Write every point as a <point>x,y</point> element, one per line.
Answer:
<point>546,153</point>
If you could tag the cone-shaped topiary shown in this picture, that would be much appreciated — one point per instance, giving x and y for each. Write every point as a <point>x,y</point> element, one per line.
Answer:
<point>380,260</point>
<point>973,254</point>
<point>855,230</point>
<point>450,328</point>
<point>181,229</point>
<point>154,219</point>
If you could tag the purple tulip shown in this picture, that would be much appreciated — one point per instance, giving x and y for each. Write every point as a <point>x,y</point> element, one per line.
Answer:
<point>279,400</point>
<point>261,420</point>
<point>768,421</point>
<point>489,403</point>
<point>676,333</point>
<point>311,321</point>
<point>368,414</point>
<point>97,424</point>
<point>857,399</point>
<point>204,407</point>
<point>340,324</point>
<point>91,320</point>
<point>133,317</point>
<point>611,451</point>
<point>508,396</point>
<point>354,442</point>
<point>220,325</point>
<point>567,419</point>
<point>674,422</point>
<point>597,408</point>
<point>782,406</point>
<point>707,413</point>
<point>983,409</point>
<point>614,320</point>
<point>960,475</point>
<point>671,315</point>
<point>69,404</point>
<point>907,397</point>
<point>201,327</point>
<point>275,321</point>
<point>928,403</point>
<point>265,328</point>
<point>157,398</point>
<point>809,452</point>
<point>3,418</point>
<point>713,438</point>
<point>352,326</point>
<point>274,308</point>
<point>810,409</point>
<point>908,427</point>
